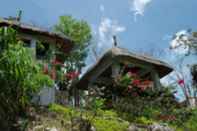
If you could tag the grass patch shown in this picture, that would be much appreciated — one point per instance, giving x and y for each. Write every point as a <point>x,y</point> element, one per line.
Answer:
<point>102,120</point>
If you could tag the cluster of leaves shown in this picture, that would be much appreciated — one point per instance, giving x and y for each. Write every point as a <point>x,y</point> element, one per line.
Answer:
<point>105,120</point>
<point>185,119</point>
<point>190,124</point>
<point>150,104</point>
<point>54,66</point>
<point>20,75</point>
<point>129,83</point>
<point>79,31</point>
<point>71,63</point>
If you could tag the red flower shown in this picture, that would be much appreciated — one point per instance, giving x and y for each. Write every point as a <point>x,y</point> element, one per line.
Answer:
<point>134,70</point>
<point>136,82</point>
<point>181,82</point>
<point>72,75</point>
<point>147,82</point>
<point>143,88</point>
<point>56,62</point>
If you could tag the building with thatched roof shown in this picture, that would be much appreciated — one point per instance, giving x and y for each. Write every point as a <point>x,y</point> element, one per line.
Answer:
<point>31,34</point>
<point>108,66</point>
<point>104,73</point>
<point>41,42</point>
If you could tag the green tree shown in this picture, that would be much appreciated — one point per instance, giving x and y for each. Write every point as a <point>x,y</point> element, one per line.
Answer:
<point>20,77</point>
<point>80,32</point>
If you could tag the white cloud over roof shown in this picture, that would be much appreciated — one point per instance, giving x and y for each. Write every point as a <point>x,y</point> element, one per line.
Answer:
<point>138,6</point>
<point>106,30</point>
<point>179,42</point>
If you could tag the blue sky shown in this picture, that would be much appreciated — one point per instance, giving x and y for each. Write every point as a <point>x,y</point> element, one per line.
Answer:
<point>140,25</point>
<point>150,28</point>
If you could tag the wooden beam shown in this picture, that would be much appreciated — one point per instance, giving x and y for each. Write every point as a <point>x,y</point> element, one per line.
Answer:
<point>100,68</point>
<point>104,81</point>
<point>144,72</point>
<point>135,62</point>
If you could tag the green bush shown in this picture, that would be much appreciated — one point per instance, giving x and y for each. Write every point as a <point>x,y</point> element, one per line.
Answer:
<point>105,120</point>
<point>149,104</point>
<point>110,125</point>
<point>185,119</point>
<point>108,120</point>
<point>67,112</point>
<point>191,124</point>
<point>144,120</point>
<point>59,109</point>
<point>106,113</point>
<point>20,77</point>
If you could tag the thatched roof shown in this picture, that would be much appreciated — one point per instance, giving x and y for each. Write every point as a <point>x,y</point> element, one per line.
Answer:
<point>40,33</point>
<point>122,55</point>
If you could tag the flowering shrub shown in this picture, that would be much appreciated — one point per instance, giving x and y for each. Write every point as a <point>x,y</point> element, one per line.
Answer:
<point>56,62</point>
<point>130,82</point>
<point>59,73</point>
<point>137,98</point>
<point>52,68</point>
<point>150,104</point>
<point>72,75</point>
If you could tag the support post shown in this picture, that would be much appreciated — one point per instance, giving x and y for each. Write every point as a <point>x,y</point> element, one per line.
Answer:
<point>156,79</point>
<point>76,97</point>
<point>33,47</point>
<point>115,70</point>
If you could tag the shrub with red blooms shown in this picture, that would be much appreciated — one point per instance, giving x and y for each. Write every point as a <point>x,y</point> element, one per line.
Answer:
<point>134,70</point>
<point>136,82</point>
<point>72,75</point>
<point>131,81</point>
<point>145,84</point>
<point>52,72</point>
<point>57,62</point>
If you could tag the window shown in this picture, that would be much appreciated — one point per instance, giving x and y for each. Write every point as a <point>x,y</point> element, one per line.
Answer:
<point>41,50</point>
<point>27,43</point>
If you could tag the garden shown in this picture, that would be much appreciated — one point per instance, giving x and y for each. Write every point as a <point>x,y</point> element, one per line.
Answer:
<point>139,105</point>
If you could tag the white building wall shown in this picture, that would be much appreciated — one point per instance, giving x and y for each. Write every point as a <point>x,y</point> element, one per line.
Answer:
<point>45,97</point>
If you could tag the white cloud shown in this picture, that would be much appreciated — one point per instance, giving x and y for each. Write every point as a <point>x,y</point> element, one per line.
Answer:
<point>138,6</point>
<point>106,30</point>
<point>102,8</point>
<point>179,42</point>
<point>102,38</point>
